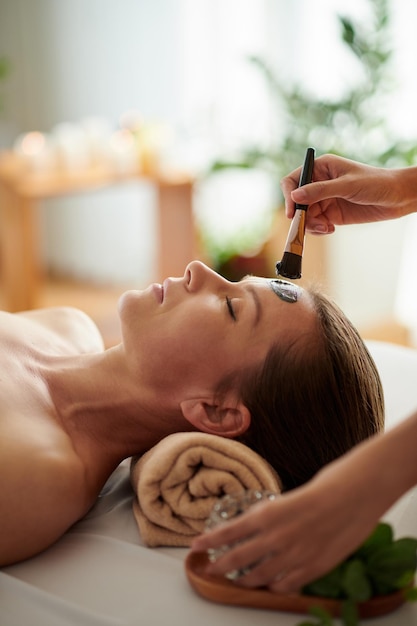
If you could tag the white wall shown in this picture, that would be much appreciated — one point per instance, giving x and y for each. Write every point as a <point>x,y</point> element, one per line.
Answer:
<point>91,57</point>
<point>72,60</point>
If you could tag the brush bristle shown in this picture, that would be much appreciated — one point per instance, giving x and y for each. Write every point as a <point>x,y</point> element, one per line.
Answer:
<point>289,266</point>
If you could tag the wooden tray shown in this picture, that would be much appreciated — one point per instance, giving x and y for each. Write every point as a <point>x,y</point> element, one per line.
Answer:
<point>224,591</point>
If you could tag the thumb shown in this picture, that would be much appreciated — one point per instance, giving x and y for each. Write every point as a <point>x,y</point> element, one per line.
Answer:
<point>318,191</point>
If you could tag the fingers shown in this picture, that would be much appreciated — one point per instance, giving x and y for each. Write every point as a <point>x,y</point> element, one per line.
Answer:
<point>261,562</point>
<point>288,184</point>
<point>248,558</point>
<point>270,545</point>
<point>239,529</point>
<point>320,228</point>
<point>265,571</point>
<point>316,195</point>
<point>283,569</point>
<point>293,581</point>
<point>297,570</point>
<point>226,534</point>
<point>279,564</point>
<point>319,225</point>
<point>331,180</point>
<point>309,194</point>
<point>319,191</point>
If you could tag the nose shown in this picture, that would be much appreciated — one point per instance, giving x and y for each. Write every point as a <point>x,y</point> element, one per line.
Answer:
<point>198,275</point>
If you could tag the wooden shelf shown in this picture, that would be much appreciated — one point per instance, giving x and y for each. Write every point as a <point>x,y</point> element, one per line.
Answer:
<point>21,190</point>
<point>57,181</point>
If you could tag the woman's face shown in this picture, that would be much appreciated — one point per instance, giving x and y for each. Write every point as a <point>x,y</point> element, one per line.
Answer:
<point>192,331</point>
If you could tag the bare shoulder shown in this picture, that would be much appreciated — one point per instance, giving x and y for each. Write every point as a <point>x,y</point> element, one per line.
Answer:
<point>43,493</point>
<point>69,324</point>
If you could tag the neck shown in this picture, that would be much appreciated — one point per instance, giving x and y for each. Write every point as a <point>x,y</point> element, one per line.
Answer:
<point>107,415</point>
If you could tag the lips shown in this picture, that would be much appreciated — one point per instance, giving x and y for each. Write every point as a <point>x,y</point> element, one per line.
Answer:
<point>158,291</point>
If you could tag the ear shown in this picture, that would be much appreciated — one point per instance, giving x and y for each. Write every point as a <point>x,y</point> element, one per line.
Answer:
<point>230,418</point>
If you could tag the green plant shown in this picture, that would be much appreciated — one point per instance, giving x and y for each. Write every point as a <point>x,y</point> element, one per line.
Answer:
<point>380,566</point>
<point>350,126</point>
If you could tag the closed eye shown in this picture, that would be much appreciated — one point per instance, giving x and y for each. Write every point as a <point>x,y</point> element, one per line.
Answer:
<point>230,308</point>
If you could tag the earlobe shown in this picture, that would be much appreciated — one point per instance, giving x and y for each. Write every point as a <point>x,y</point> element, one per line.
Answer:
<point>226,419</point>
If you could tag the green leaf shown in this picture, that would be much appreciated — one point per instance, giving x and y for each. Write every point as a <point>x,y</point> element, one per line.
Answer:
<point>355,581</point>
<point>328,586</point>
<point>387,566</point>
<point>411,594</point>
<point>380,566</point>
<point>348,29</point>
<point>321,614</point>
<point>349,613</point>
<point>405,579</point>
<point>382,536</point>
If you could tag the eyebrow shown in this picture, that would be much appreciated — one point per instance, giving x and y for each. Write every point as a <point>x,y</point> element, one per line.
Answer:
<point>258,308</point>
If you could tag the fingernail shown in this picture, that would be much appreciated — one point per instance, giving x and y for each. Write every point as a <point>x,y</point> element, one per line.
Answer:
<point>320,228</point>
<point>299,195</point>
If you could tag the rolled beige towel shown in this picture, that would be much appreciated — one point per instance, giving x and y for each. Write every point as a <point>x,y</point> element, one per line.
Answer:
<point>178,481</point>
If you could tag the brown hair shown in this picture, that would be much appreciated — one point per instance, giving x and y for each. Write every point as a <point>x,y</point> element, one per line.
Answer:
<point>314,398</point>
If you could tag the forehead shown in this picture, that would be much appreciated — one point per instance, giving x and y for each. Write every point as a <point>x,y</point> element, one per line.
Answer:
<point>284,290</point>
<point>285,305</point>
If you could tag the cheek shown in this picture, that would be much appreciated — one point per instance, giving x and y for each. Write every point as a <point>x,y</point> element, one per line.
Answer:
<point>187,361</point>
<point>198,349</point>
<point>195,342</point>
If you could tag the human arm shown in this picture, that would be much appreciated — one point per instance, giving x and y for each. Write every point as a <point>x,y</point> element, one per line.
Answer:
<point>347,192</point>
<point>306,532</point>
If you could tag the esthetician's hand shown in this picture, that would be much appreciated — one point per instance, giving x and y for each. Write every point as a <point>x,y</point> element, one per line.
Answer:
<point>348,192</point>
<point>295,537</point>
<point>304,533</point>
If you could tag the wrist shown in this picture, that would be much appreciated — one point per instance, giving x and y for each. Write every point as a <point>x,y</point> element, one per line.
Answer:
<point>375,473</point>
<point>405,185</point>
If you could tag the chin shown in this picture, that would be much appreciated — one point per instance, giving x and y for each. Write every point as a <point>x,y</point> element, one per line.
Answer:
<point>128,297</point>
<point>127,306</point>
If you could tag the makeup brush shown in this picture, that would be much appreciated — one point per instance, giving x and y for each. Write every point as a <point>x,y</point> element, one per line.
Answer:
<point>290,265</point>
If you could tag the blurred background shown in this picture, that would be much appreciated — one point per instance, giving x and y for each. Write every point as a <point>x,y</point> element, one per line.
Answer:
<point>227,93</point>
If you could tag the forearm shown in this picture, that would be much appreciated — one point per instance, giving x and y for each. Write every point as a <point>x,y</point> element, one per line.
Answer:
<point>396,450</point>
<point>379,471</point>
<point>405,189</point>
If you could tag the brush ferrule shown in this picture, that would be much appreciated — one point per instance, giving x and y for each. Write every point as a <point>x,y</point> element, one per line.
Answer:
<point>295,239</point>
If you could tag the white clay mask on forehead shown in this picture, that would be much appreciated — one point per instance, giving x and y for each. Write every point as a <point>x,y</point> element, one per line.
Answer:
<point>288,292</point>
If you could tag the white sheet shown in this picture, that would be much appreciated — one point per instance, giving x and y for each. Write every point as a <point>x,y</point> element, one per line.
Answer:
<point>99,574</point>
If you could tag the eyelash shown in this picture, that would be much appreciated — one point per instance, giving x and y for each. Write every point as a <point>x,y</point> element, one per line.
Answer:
<point>230,308</point>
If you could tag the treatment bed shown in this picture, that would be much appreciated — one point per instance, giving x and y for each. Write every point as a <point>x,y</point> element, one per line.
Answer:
<point>101,573</point>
